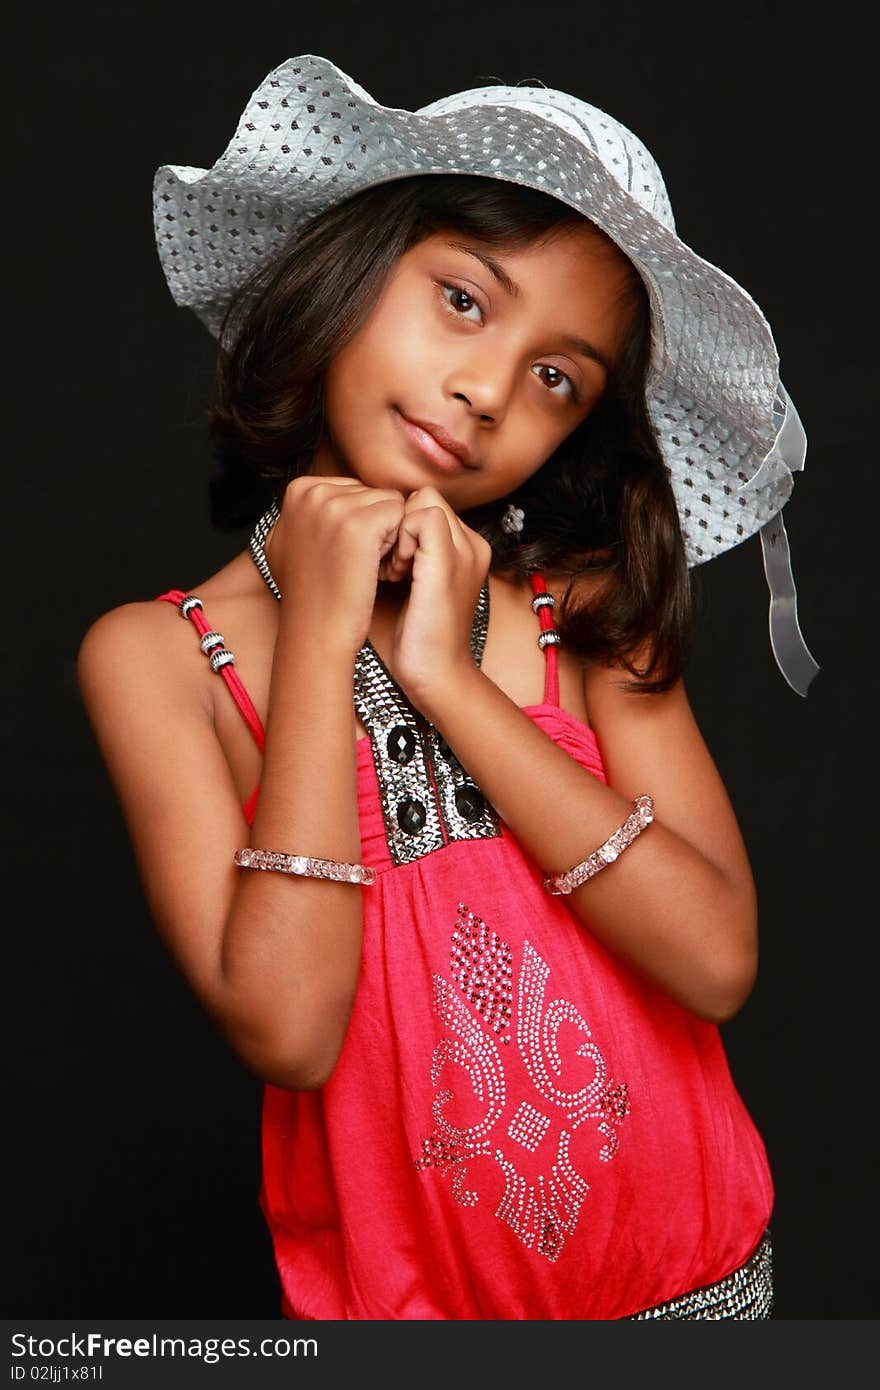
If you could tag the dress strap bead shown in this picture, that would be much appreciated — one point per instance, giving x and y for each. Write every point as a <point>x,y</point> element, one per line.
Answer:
<point>548,638</point>
<point>222,660</point>
<point>544,600</point>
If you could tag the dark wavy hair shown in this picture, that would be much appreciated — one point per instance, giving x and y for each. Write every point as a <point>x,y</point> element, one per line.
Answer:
<point>600,508</point>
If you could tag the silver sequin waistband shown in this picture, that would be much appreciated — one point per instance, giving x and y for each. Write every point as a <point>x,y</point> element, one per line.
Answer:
<point>747,1293</point>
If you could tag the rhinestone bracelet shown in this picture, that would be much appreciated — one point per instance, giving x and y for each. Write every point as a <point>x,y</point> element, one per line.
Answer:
<point>634,824</point>
<point>299,864</point>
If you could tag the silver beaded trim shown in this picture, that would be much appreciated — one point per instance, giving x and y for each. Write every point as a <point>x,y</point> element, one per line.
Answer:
<point>550,638</point>
<point>188,604</point>
<point>543,601</point>
<point>746,1294</point>
<point>607,853</point>
<point>221,658</point>
<point>301,864</point>
<point>210,641</point>
<point>258,538</point>
<point>428,800</point>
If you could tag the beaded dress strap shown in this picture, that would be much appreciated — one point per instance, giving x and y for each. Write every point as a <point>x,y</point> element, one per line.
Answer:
<point>221,659</point>
<point>548,638</point>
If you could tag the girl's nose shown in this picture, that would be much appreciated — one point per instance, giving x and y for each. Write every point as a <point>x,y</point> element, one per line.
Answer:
<point>485,382</point>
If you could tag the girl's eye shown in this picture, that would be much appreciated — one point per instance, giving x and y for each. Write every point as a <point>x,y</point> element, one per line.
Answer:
<point>555,378</point>
<point>461,302</point>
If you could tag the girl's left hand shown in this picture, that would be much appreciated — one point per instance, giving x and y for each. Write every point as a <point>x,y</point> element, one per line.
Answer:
<point>431,647</point>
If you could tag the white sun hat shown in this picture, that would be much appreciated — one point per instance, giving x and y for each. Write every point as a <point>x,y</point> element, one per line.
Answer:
<point>311,136</point>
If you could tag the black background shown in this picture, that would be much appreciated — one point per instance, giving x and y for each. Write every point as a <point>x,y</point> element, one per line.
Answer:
<point>133,1135</point>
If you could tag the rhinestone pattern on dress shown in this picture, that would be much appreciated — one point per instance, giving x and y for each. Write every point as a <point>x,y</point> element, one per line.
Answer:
<point>480,963</point>
<point>543,1213</point>
<point>428,799</point>
<point>528,1126</point>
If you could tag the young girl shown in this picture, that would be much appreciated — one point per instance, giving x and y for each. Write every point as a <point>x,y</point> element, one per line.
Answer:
<point>485,409</point>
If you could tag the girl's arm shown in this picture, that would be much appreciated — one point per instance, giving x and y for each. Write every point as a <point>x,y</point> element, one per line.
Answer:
<point>679,904</point>
<point>274,959</point>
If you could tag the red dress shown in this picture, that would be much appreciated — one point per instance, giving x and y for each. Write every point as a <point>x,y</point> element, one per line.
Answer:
<point>519,1125</point>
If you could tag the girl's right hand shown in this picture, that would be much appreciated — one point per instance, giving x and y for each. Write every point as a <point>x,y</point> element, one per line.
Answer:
<point>328,544</point>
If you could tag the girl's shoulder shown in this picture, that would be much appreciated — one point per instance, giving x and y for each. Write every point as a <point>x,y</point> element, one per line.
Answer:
<point>134,658</point>
<point>144,644</point>
<point>149,689</point>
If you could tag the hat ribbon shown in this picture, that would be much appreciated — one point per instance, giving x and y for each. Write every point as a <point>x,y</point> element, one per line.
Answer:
<point>792,655</point>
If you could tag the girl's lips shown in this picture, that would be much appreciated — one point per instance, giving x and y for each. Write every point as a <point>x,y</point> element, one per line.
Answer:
<point>428,447</point>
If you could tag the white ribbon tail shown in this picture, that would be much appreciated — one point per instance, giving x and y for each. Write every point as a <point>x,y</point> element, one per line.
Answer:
<point>789,648</point>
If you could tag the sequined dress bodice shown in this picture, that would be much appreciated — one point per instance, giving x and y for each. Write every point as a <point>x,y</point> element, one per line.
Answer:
<point>519,1125</point>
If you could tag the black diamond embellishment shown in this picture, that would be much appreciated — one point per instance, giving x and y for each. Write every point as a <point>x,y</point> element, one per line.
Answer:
<point>411,816</point>
<point>446,751</point>
<point>469,801</point>
<point>401,744</point>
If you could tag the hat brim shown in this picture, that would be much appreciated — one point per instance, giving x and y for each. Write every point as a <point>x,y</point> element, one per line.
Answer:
<point>310,136</point>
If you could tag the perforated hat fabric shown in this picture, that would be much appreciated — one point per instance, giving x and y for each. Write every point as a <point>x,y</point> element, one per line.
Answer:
<point>311,136</point>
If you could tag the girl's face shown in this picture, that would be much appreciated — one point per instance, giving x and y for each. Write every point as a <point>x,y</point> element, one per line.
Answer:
<point>499,353</point>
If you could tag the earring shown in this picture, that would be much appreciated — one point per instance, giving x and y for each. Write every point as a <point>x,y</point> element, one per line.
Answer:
<point>512,520</point>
